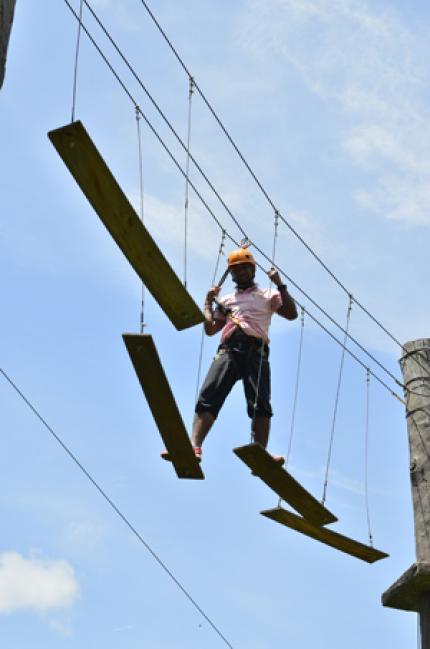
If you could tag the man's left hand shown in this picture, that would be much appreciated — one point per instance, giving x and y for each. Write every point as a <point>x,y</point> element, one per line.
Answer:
<point>274,277</point>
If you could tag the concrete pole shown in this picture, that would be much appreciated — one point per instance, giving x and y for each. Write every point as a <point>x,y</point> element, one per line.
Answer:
<point>7,8</point>
<point>412,591</point>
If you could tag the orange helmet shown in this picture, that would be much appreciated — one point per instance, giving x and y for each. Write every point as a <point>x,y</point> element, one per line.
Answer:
<point>240,256</point>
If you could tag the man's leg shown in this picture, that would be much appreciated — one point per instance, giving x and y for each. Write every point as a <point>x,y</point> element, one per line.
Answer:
<point>260,429</point>
<point>220,379</point>
<point>202,424</point>
<point>258,374</point>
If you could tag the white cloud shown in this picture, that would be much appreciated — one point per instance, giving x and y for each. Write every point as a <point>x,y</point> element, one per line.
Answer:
<point>375,72</point>
<point>36,584</point>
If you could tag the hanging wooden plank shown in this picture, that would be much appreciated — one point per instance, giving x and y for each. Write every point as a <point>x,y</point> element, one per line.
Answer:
<point>161,401</point>
<point>324,535</point>
<point>265,467</point>
<point>90,171</point>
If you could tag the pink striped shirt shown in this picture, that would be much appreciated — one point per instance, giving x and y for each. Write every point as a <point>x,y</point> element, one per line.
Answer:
<point>252,308</point>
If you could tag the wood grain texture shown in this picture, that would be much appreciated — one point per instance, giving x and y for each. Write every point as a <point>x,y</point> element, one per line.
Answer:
<point>324,535</point>
<point>146,362</point>
<point>90,171</point>
<point>264,466</point>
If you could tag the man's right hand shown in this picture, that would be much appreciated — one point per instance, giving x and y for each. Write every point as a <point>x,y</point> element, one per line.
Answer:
<point>212,294</point>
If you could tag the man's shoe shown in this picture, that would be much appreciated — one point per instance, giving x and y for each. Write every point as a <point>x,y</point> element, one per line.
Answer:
<point>197,452</point>
<point>279,459</point>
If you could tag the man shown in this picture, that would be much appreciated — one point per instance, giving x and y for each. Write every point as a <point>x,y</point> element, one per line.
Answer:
<point>243,317</point>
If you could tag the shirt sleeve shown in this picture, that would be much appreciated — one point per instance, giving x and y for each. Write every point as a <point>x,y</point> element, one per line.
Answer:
<point>275,301</point>
<point>218,314</point>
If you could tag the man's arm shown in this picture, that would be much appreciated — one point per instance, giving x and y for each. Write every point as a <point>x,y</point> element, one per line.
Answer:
<point>212,325</point>
<point>288,308</point>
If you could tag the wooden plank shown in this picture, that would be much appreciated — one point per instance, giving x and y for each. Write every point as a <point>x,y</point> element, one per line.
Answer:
<point>264,466</point>
<point>156,388</point>
<point>408,591</point>
<point>324,535</point>
<point>90,171</point>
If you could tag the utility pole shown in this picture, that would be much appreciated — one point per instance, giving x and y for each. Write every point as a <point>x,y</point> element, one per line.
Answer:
<point>411,592</point>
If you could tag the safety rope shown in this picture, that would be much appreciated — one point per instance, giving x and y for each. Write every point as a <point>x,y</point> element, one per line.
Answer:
<point>187,174</point>
<point>336,402</point>
<point>257,390</point>
<point>275,235</point>
<point>141,207</point>
<point>296,388</point>
<point>75,72</point>
<point>257,180</point>
<point>220,225</point>
<point>202,337</point>
<point>296,392</point>
<point>366,458</point>
<point>210,211</point>
<point>245,243</point>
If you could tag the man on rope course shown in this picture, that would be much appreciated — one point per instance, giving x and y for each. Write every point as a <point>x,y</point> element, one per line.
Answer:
<point>243,317</point>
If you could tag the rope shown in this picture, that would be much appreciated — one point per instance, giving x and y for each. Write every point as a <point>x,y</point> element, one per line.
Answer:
<point>187,173</point>
<point>366,458</point>
<point>209,182</point>
<point>115,508</point>
<point>75,73</point>
<point>275,235</point>
<point>336,402</point>
<point>202,336</point>
<point>157,108</point>
<point>296,388</point>
<point>212,214</point>
<point>183,145</point>
<point>256,179</point>
<point>266,195</point>
<point>139,142</point>
<point>296,392</point>
<point>257,390</point>
<point>260,365</point>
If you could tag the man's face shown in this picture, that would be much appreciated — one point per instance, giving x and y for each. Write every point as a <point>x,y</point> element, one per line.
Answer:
<point>243,275</point>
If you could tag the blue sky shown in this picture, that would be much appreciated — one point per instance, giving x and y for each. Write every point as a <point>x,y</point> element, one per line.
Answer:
<point>329,103</point>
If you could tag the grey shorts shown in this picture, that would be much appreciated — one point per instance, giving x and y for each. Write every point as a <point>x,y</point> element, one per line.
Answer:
<point>239,358</point>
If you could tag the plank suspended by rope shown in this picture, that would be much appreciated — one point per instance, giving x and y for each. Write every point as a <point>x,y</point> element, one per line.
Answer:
<point>90,171</point>
<point>147,364</point>
<point>324,535</point>
<point>281,482</point>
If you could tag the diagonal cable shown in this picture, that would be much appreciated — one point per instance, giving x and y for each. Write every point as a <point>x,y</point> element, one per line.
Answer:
<point>256,179</point>
<point>238,244</point>
<point>115,508</point>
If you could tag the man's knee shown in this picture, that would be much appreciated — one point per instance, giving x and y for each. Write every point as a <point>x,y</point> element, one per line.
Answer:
<point>203,407</point>
<point>261,410</point>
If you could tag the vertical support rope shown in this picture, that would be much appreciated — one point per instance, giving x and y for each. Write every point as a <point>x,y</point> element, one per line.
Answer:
<point>275,236</point>
<point>75,73</point>
<point>141,206</point>
<point>187,172</point>
<point>202,338</point>
<point>336,403</point>
<point>366,457</point>
<point>296,391</point>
